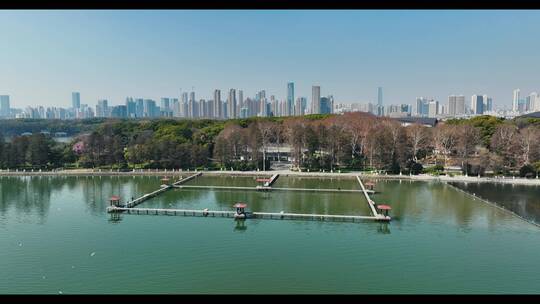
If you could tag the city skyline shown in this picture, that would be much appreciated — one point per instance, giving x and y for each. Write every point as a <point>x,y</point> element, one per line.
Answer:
<point>115,54</point>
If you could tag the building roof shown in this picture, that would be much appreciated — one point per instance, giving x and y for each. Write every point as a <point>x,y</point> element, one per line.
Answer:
<point>115,198</point>
<point>384,207</point>
<point>427,121</point>
<point>240,205</point>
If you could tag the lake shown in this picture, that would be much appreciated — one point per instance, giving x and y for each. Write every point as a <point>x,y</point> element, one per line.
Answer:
<point>55,236</point>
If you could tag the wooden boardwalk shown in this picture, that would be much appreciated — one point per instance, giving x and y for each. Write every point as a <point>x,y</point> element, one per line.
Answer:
<point>129,207</point>
<point>230,214</point>
<point>163,188</point>
<point>370,202</point>
<point>270,188</point>
<point>272,180</point>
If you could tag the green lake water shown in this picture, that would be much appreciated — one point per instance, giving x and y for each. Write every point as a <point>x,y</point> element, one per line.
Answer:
<point>55,236</point>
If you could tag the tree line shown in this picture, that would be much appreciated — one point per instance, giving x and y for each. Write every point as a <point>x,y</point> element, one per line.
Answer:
<point>350,141</point>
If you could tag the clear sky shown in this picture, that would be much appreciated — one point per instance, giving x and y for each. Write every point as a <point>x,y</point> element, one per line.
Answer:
<point>45,55</point>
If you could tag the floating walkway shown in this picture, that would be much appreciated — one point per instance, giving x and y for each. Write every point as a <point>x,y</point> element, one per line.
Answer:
<point>163,188</point>
<point>231,214</point>
<point>370,202</point>
<point>271,188</point>
<point>129,207</point>
<point>271,181</point>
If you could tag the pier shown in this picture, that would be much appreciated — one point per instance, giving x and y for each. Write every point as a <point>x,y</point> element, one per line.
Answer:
<point>163,188</point>
<point>129,208</point>
<point>270,188</point>
<point>370,202</point>
<point>231,214</point>
<point>272,180</point>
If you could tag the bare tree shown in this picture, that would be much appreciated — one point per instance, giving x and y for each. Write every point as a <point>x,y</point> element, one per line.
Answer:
<point>445,139</point>
<point>468,137</point>
<point>528,139</point>
<point>504,143</point>
<point>419,136</point>
<point>265,130</point>
<point>294,132</point>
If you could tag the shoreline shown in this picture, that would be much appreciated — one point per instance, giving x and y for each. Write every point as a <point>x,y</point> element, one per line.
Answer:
<point>150,172</point>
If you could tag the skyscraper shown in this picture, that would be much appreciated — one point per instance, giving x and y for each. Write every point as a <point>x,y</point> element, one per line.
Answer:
<point>488,103</point>
<point>76,100</point>
<point>298,108</point>
<point>433,108</point>
<point>240,102</point>
<point>290,98</point>
<point>477,104</point>
<point>456,105</point>
<point>217,104</point>
<point>131,107</point>
<point>326,107</point>
<point>102,108</point>
<point>139,107</point>
<point>315,100</point>
<point>379,97</point>
<point>4,106</point>
<point>165,104</point>
<point>452,105</point>
<point>515,100</point>
<point>231,104</point>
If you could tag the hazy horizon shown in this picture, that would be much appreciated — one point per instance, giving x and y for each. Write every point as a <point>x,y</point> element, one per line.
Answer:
<point>111,55</point>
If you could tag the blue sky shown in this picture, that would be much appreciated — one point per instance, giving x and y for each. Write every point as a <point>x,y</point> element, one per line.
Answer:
<point>45,55</point>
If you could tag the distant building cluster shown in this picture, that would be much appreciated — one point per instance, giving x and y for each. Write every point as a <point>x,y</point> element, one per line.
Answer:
<point>234,105</point>
<point>456,107</point>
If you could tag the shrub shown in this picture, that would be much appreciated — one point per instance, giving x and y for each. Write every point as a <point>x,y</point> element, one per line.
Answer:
<point>527,171</point>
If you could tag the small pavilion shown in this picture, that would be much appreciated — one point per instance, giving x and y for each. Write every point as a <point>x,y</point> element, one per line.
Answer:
<point>114,200</point>
<point>240,208</point>
<point>384,208</point>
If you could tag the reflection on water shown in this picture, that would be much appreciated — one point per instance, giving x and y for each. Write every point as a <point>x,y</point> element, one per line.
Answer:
<point>56,235</point>
<point>240,225</point>
<point>383,228</point>
<point>524,200</point>
<point>33,194</point>
<point>436,202</point>
<point>410,200</point>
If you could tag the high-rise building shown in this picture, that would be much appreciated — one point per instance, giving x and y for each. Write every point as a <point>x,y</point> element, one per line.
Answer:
<point>76,100</point>
<point>379,97</point>
<point>488,103</point>
<point>477,104</point>
<point>231,104</point>
<point>537,103</point>
<point>298,108</point>
<point>422,107</point>
<point>530,101</point>
<point>150,108</point>
<point>456,105</point>
<point>263,109</point>
<point>326,105</point>
<point>217,104</point>
<point>290,99</point>
<point>139,107</point>
<point>165,104</point>
<point>452,105</point>
<point>433,108</point>
<point>515,100</point>
<point>4,106</point>
<point>102,108</point>
<point>240,102</point>
<point>176,109</point>
<point>131,107</point>
<point>119,111</point>
<point>315,100</point>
